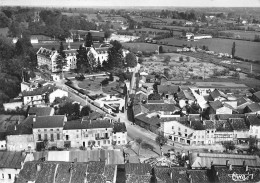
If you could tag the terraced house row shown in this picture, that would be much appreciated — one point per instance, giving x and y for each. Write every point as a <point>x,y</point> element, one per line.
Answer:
<point>43,132</point>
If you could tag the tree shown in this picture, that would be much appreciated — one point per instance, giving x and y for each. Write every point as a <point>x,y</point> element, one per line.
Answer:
<point>89,40</point>
<point>167,59</point>
<point>61,58</point>
<point>161,141</point>
<point>233,51</point>
<point>139,142</point>
<point>85,111</point>
<point>154,96</point>
<point>146,146</point>
<point>115,55</point>
<point>82,59</point>
<point>229,145</point>
<point>131,60</point>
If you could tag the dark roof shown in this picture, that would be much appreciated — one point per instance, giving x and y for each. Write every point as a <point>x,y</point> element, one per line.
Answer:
<point>168,89</point>
<point>223,126</point>
<point>254,107</point>
<point>94,172</point>
<point>73,125</point>
<point>138,168</point>
<point>216,105</point>
<point>254,120</point>
<point>40,111</point>
<point>90,124</point>
<point>155,102</point>
<point>216,93</point>
<point>119,127</point>
<point>39,91</point>
<point>56,121</point>
<point>238,123</point>
<point>20,129</point>
<point>12,160</point>
<point>257,94</point>
<point>161,107</point>
<point>225,174</point>
<point>241,101</point>
<point>184,94</point>
<point>225,116</point>
<point>139,109</point>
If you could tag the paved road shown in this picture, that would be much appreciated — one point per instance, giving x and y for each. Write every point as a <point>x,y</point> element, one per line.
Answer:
<point>135,131</point>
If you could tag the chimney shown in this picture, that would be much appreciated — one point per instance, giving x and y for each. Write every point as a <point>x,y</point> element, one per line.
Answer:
<point>189,176</point>
<point>38,167</point>
<point>15,127</point>
<point>171,175</point>
<point>34,119</point>
<point>216,173</point>
<point>246,168</point>
<point>230,167</point>
<point>227,162</point>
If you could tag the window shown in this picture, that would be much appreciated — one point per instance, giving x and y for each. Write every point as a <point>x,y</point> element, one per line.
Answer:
<point>256,131</point>
<point>9,176</point>
<point>52,139</point>
<point>194,137</point>
<point>45,137</point>
<point>51,129</point>
<point>172,127</point>
<point>39,137</point>
<point>108,141</point>
<point>77,136</point>
<point>185,130</point>
<point>123,141</point>
<point>118,142</point>
<point>39,130</point>
<point>104,141</point>
<point>45,130</point>
<point>98,143</point>
<point>179,129</point>
<point>58,136</point>
<point>58,129</point>
<point>3,176</point>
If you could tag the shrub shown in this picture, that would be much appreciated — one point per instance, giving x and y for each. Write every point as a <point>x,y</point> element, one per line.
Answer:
<point>181,59</point>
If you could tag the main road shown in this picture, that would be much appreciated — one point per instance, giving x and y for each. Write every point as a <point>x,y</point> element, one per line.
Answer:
<point>134,131</point>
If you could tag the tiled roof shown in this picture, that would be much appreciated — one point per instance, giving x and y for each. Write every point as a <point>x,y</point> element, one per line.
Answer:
<point>184,94</point>
<point>216,104</point>
<point>223,126</point>
<point>139,109</point>
<point>241,101</point>
<point>225,174</point>
<point>90,124</point>
<point>40,111</point>
<point>155,102</point>
<point>168,89</point>
<point>257,94</point>
<point>254,120</point>
<point>56,121</point>
<point>254,107</point>
<point>112,157</point>
<point>39,91</point>
<point>73,125</point>
<point>119,127</point>
<point>18,130</point>
<point>138,168</point>
<point>11,160</point>
<point>225,116</point>
<point>216,93</point>
<point>164,174</point>
<point>62,172</point>
<point>161,107</point>
<point>199,160</point>
<point>238,123</point>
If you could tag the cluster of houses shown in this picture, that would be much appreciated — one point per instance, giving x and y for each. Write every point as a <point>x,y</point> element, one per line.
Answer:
<point>108,166</point>
<point>43,130</point>
<point>197,115</point>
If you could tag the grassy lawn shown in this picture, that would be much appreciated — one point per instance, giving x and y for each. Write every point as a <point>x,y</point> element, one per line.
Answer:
<point>243,34</point>
<point>244,49</point>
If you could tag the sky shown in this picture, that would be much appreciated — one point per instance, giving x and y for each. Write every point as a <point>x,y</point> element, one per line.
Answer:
<point>174,3</point>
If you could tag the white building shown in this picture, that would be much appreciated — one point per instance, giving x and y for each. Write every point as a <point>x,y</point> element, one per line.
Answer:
<point>119,133</point>
<point>10,165</point>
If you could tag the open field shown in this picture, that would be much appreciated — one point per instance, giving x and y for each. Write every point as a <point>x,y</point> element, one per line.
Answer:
<point>181,69</point>
<point>147,47</point>
<point>244,49</point>
<point>243,34</point>
<point>244,66</point>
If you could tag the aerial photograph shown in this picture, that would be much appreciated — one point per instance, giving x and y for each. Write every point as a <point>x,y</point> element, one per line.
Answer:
<point>129,91</point>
